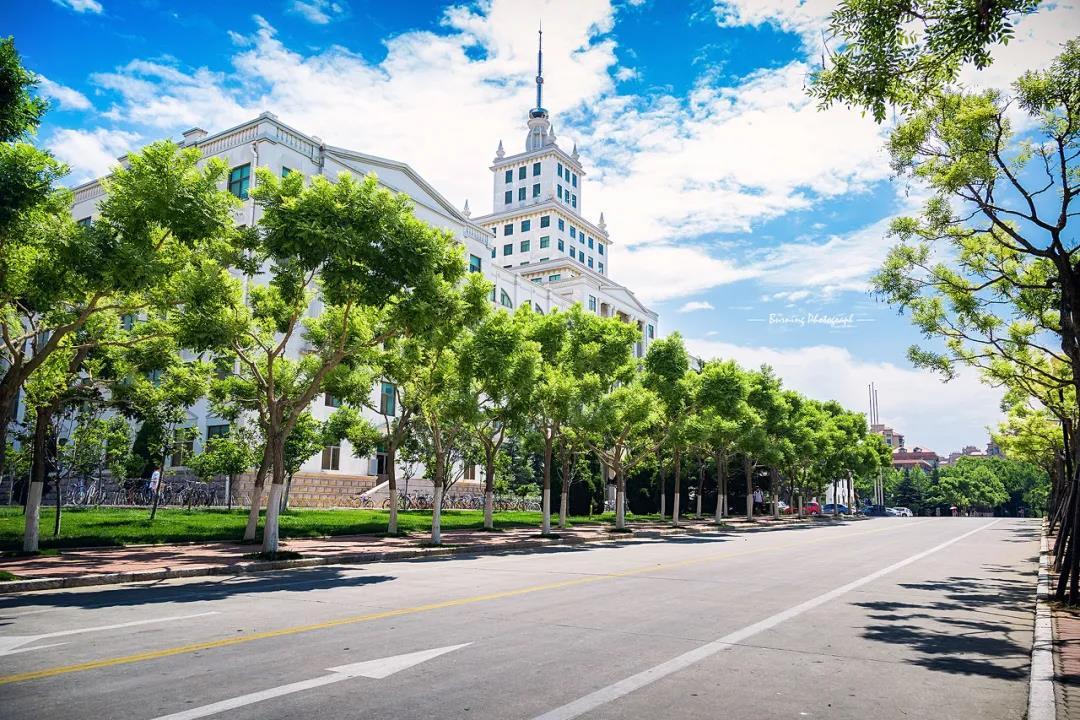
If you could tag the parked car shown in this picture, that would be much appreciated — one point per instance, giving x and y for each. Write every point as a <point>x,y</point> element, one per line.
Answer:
<point>812,508</point>
<point>904,512</point>
<point>829,509</point>
<point>875,510</point>
<point>891,512</point>
<point>784,508</point>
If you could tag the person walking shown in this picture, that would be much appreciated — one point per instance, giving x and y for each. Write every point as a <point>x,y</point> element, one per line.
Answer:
<point>759,500</point>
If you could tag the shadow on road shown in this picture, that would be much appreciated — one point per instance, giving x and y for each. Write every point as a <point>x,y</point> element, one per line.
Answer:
<point>977,626</point>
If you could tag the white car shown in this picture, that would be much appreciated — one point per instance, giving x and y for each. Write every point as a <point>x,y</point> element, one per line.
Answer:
<point>904,512</point>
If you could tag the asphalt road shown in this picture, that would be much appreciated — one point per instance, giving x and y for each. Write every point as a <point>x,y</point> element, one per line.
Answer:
<point>887,618</point>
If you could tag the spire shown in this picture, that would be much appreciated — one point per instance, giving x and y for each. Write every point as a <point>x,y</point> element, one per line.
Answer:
<point>574,154</point>
<point>539,124</point>
<point>602,224</point>
<point>465,210</point>
<point>540,68</point>
<point>499,152</point>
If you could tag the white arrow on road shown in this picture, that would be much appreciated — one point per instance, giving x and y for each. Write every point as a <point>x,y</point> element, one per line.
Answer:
<point>9,643</point>
<point>377,669</point>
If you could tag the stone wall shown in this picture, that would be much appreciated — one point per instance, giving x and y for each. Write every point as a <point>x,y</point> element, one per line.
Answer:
<point>312,489</point>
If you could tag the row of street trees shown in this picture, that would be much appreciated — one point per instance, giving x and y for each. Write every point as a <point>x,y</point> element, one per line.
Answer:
<point>988,270</point>
<point>164,300</point>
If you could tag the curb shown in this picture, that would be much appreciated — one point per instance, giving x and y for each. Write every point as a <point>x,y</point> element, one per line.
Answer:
<point>1041,691</point>
<point>58,583</point>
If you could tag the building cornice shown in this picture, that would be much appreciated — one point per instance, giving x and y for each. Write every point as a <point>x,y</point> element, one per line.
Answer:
<point>542,206</point>
<point>532,154</point>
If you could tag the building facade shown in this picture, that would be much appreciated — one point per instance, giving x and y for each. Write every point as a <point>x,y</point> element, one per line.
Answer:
<point>544,281</point>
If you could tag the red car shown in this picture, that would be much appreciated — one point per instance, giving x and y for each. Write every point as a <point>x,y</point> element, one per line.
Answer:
<point>812,508</point>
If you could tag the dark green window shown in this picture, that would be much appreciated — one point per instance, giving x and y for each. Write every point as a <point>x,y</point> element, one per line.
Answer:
<point>239,180</point>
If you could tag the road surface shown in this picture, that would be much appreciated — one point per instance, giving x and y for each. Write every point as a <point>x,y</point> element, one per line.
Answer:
<point>886,618</point>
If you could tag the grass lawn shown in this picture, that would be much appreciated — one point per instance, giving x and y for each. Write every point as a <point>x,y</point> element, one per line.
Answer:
<point>99,527</point>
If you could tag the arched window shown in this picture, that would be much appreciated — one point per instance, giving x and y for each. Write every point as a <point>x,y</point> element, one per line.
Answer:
<point>505,300</point>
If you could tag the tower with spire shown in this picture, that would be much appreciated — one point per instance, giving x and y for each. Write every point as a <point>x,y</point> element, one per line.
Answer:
<point>537,199</point>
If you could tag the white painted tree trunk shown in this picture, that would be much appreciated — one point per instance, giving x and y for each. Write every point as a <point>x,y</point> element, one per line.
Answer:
<point>253,514</point>
<point>775,505</point>
<point>33,517</point>
<point>391,525</point>
<point>564,507</point>
<point>436,517</point>
<point>675,508</point>
<point>545,526</point>
<point>620,504</point>
<point>489,509</point>
<point>273,506</point>
<point>699,504</point>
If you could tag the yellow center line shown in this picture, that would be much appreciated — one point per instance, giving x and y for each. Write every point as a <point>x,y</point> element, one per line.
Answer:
<point>354,619</point>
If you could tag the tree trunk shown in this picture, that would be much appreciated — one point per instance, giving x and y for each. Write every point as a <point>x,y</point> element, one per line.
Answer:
<point>271,527</point>
<point>835,497</point>
<point>700,485</point>
<point>545,525</point>
<point>564,501</point>
<point>8,404</point>
<point>256,496</point>
<point>38,471</point>
<point>391,485</point>
<point>663,489</point>
<point>489,489</point>
<point>774,491</point>
<point>285,495</point>
<point>721,495</point>
<point>436,508</point>
<point>748,470</point>
<point>620,499</point>
<point>677,469</point>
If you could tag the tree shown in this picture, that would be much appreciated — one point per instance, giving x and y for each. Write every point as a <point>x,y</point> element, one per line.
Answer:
<point>760,429</point>
<point>1005,288</point>
<point>667,373</point>
<point>374,271</point>
<point>724,412</point>
<point>897,53</point>
<point>499,365</point>
<point>226,456</point>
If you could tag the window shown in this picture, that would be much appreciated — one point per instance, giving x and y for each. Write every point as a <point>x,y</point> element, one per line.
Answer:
<point>521,193</point>
<point>553,278</point>
<point>494,230</point>
<point>387,405</point>
<point>508,197</point>
<point>545,221</point>
<point>127,321</point>
<point>537,280</point>
<point>508,249</point>
<point>545,241</point>
<point>505,300</point>
<point>380,460</point>
<point>573,231</point>
<point>239,179</point>
<point>475,264</point>
<point>508,229</point>
<point>331,457</point>
<point>590,243</point>
<point>536,169</point>
<point>590,262</point>
<point>573,179</point>
<point>213,431</point>
<point>85,222</point>
<point>526,225</point>
<point>492,253</point>
<point>331,401</point>
<point>544,259</point>
<point>573,201</point>
<point>562,246</point>
<point>559,170</point>
<point>521,172</point>
<point>558,191</point>
<point>573,253</point>
<point>509,176</point>
<point>650,333</point>
<point>525,246</point>
<point>491,295</point>
<point>600,248</point>
<point>600,267</point>
<point>183,446</point>
<point>536,190</point>
<point>469,473</point>
<point>592,303</point>
<point>285,171</point>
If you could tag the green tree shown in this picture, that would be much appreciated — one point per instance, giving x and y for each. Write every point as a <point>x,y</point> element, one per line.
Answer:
<point>898,53</point>
<point>760,429</point>
<point>667,373</point>
<point>226,456</point>
<point>723,395</point>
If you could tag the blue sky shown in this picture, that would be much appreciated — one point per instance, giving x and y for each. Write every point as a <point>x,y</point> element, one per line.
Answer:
<point>747,217</point>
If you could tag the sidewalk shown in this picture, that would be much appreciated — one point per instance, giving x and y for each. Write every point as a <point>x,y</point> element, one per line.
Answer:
<point>100,566</point>
<point>1067,662</point>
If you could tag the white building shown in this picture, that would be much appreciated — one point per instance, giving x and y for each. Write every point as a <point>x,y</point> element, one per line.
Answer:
<point>537,270</point>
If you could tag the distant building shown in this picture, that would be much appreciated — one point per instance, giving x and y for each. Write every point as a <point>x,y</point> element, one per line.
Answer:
<point>892,438</point>
<point>925,460</point>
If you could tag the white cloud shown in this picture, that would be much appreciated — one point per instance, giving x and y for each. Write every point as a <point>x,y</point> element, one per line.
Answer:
<point>91,153</point>
<point>804,17</point>
<point>81,6</point>
<point>663,272</point>
<point>320,12</point>
<point>695,305</point>
<point>931,414</point>
<point>68,98</point>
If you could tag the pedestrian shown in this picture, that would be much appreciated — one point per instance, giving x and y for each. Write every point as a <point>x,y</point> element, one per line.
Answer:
<point>759,500</point>
<point>155,482</point>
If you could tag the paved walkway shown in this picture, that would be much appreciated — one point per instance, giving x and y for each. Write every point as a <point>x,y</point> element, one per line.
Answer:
<point>222,556</point>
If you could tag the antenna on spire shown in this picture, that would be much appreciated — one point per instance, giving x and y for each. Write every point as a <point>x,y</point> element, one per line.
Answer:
<point>540,68</point>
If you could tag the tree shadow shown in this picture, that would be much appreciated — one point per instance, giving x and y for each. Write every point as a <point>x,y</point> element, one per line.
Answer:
<point>134,594</point>
<point>975,626</point>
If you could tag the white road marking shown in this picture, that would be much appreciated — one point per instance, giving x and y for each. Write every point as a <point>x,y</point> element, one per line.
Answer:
<point>593,700</point>
<point>377,669</point>
<point>8,643</point>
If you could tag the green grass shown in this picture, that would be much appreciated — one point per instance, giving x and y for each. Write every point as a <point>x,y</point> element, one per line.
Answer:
<point>5,576</point>
<point>114,527</point>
